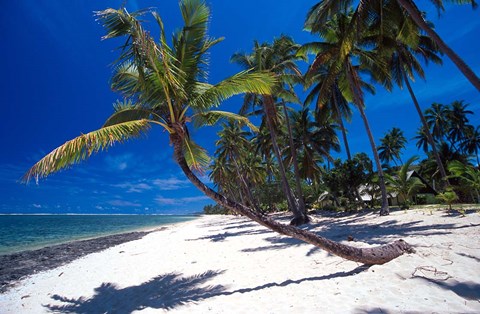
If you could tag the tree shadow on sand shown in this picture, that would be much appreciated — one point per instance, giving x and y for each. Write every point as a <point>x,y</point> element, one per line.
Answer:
<point>166,292</point>
<point>162,292</point>
<point>468,290</point>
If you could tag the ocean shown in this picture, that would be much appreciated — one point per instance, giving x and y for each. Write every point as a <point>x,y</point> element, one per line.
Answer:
<point>26,232</point>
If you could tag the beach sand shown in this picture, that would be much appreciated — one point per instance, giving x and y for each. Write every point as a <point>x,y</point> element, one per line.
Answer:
<point>225,264</point>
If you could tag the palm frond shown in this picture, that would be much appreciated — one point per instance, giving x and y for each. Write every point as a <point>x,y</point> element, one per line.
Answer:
<point>244,82</point>
<point>214,116</point>
<point>127,111</point>
<point>82,147</point>
<point>195,155</point>
<point>118,22</point>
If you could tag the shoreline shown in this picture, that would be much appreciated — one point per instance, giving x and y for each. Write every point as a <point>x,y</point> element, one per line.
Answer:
<point>95,233</point>
<point>221,264</point>
<point>18,265</point>
<point>15,266</point>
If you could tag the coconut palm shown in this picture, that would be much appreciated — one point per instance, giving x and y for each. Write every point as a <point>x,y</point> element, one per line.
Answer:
<point>470,144</point>
<point>278,58</point>
<point>233,148</point>
<point>401,41</point>
<point>313,140</point>
<point>339,52</point>
<point>403,183</point>
<point>335,106</point>
<point>321,12</point>
<point>417,15</point>
<point>437,117</point>
<point>467,174</point>
<point>391,146</point>
<point>458,122</point>
<point>167,87</point>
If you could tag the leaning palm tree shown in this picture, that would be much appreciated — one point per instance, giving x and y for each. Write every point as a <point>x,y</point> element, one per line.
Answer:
<point>167,87</point>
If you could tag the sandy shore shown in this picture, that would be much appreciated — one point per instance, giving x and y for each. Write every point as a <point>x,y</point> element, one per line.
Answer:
<point>220,264</point>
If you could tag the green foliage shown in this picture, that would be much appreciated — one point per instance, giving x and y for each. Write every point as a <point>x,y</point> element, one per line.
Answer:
<point>448,197</point>
<point>345,178</point>
<point>82,147</point>
<point>215,210</point>
<point>164,83</point>
<point>403,183</point>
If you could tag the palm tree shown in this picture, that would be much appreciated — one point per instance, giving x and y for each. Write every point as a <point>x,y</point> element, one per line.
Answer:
<point>167,87</point>
<point>391,146</point>
<point>400,40</point>
<point>403,183</point>
<point>458,122</point>
<point>278,58</point>
<point>233,148</point>
<point>335,105</point>
<point>470,144</point>
<point>321,12</point>
<point>341,48</point>
<point>437,117</point>
<point>467,174</point>
<point>417,15</point>
<point>313,140</point>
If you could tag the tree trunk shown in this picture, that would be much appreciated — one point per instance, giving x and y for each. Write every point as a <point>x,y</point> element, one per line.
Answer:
<point>369,256</point>
<point>358,100</point>
<point>342,126</point>
<point>345,140</point>
<point>415,14</point>
<point>298,184</point>
<point>381,180</point>
<point>246,186</point>
<point>427,130</point>
<point>298,217</point>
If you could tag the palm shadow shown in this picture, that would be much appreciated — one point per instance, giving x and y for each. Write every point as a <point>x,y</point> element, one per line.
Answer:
<point>166,292</point>
<point>162,292</point>
<point>468,290</point>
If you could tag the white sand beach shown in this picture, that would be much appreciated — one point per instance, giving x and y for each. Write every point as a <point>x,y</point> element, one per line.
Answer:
<point>225,264</point>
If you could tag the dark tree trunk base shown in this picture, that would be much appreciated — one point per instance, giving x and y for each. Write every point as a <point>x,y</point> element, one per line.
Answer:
<point>300,220</point>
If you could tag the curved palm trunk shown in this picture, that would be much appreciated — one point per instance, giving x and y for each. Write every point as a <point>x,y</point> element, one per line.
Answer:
<point>298,184</point>
<point>427,131</point>
<point>369,256</point>
<point>461,65</point>
<point>298,218</point>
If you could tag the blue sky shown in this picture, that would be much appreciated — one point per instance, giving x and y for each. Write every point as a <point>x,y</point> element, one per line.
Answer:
<point>55,85</point>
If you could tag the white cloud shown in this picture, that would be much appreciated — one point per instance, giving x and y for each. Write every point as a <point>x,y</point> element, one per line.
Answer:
<point>119,162</point>
<point>37,205</point>
<point>134,187</point>
<point>123,203</point>
<point>171,184</point>
<point>181,200</point>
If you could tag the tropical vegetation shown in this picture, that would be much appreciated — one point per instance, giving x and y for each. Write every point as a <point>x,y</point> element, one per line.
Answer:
<point>279,151</point>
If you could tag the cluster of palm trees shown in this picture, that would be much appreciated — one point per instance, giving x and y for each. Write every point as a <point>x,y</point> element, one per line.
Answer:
<point>377,39</point>
<point>164,83</point>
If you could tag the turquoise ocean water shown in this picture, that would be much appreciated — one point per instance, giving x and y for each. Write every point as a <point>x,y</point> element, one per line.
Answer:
<point>25,232</point>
